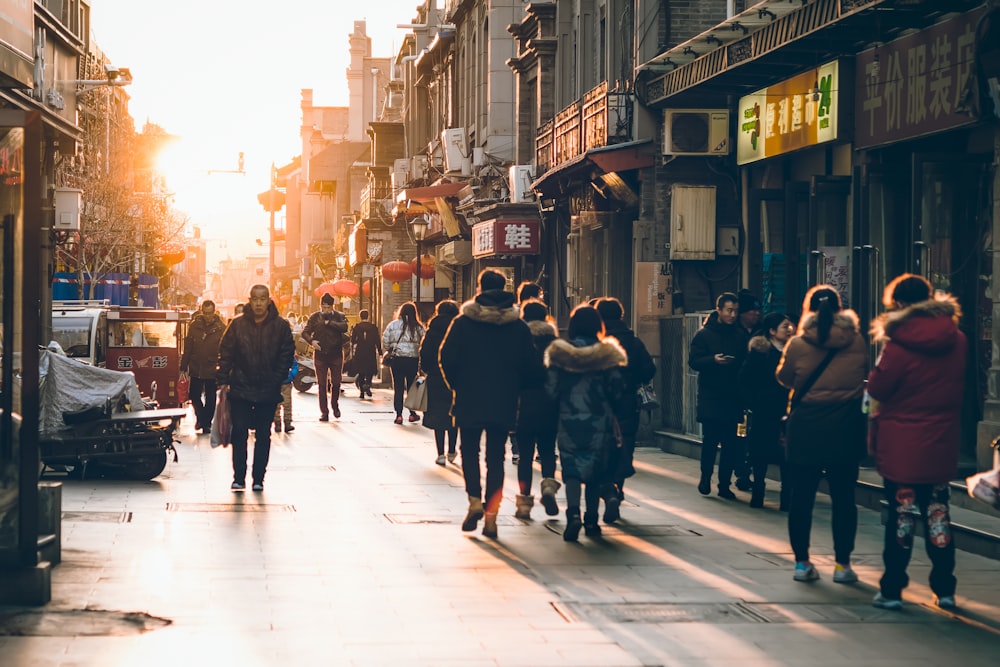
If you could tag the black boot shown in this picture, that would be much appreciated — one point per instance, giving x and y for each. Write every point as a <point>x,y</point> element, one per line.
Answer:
<point>705,485</point>
<point>590,527</point>
<point>757,496</point>
<point>573,524</point>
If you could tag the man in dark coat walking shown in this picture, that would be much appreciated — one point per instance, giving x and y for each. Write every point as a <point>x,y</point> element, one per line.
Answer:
<point>255,356</point>
<point>717,353</point>
<point>325,332</point>
<point>487,358</point>
<point>201,354</point>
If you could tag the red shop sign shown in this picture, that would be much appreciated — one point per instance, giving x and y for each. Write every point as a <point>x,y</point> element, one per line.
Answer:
<point>505,237</point>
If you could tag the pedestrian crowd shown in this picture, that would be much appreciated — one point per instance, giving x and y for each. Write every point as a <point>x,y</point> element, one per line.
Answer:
<point>773,390</point>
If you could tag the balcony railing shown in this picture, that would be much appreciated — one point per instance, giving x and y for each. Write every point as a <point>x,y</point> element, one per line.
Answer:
<point>376,200</point>
<point>598,119</point>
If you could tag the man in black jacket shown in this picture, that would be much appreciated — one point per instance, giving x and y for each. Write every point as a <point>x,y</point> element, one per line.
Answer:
<point>325,332</point>
<point>255,356</point>
<point>487,358</point>
<point>717,352</point>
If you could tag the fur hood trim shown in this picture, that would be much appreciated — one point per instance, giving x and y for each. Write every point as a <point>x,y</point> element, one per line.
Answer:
<point>846,325</point>
<point>490,314</point>
<point>761,344</point>
<point>944,305</point>
<point>542,328</point>
<point>599,356</point>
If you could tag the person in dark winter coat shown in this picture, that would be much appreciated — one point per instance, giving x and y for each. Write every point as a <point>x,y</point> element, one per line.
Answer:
<point>199,361</point>
<point>919,384</point>
<point>537,420</point>
<point>255,355</point>
<point>639,371</point>
<point>825,432</point>
<point>586,377</point>
<point>717,353</point>
<point>766,402</point>
<point>487,359</point>
<point>367,344</point>
<point>325,332</point>
<point>437,416</point>
<point>748,314</point>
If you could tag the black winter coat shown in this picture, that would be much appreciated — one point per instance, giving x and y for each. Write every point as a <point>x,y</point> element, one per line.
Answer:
<point>639,371</point>
<point>537,411</point>
<point>718,390</point>
<point>367,342</point>
<point>488,359</point>
<point>201,346</point>
<point>765,398</point>
<point>328,330</point>
<point>439,397</point>
<point>254,359</point>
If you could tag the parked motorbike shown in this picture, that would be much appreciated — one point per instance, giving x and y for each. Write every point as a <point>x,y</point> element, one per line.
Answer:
<point>306,377</point>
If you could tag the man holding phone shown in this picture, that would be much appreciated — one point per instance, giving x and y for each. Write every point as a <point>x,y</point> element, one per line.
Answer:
<point>717,353</point>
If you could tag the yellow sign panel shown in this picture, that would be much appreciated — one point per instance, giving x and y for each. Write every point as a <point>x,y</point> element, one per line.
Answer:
<point>796,113</point>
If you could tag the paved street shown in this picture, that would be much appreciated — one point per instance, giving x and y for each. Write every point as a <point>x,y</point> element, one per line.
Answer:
<point>353,556</point>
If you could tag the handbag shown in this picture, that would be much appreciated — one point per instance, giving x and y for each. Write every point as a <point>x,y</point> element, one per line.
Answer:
<point>183,389</point>
<point>647,397</point>
<point>801,392</point>
<point>390,351</point>
<point>416,395</point>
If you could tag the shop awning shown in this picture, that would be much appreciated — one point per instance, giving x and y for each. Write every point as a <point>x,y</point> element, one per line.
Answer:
<point>595,162</point>
<point>413,201</point>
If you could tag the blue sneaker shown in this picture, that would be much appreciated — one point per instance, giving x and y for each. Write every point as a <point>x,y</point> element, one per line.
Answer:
<point>805,571</point>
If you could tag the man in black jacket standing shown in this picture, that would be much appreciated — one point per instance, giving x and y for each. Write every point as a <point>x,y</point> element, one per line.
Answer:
<point>487,358</point>
<point>255,356</point>
<point>717,353</point>
<point>325,332</point>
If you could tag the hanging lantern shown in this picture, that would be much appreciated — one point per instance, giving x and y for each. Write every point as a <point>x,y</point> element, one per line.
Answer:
<point>345,288</point>
<point>366,288</point>
<point>396,272</point>
<point>426,266</point>
<point>325,288</point>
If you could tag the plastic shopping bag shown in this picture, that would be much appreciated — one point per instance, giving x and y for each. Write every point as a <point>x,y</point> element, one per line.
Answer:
<point>985,486</point>
<point>222,424</point>
<point>183,389</point>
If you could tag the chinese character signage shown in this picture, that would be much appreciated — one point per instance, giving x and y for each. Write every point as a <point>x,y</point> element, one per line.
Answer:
<point>837,270</point>
<point>505,237</point>
<point>913,85</point>
<point>793,114</point>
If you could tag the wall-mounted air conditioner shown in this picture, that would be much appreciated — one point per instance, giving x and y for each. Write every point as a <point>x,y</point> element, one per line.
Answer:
<point>455,253</point>
<point>696,132</point>
<point>400,173</point>
<point>521,176</point>
<point>418,167</point>
<point>455,149</point>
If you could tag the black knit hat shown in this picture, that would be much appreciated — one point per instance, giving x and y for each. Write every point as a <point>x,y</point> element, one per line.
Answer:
<point>747,301</point>
<point>327,299</point>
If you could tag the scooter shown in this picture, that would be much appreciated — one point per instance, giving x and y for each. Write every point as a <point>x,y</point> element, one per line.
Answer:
<point>306,377</point>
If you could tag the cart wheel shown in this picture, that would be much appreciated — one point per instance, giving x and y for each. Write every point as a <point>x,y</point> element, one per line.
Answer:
<point>301,386</point>
<point>146,467</point>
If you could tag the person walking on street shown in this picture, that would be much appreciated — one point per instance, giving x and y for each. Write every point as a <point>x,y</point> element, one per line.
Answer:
<point>639,371</point>
<point>525,291</point>
<point>401,340</point>
<point>487,359</point>
<point>917,385</point>
<point>284,409</point>
<point>201,355</point>
<point>255,355</point>
<point>325,332</point>
<point>537,421</point>
<point>717,353</point>
<point>766,402</point>
<point>586,377</point>
<point>748,319</point>
<point>824,365</point>
<point>367,344</point>
<point>437,416</point>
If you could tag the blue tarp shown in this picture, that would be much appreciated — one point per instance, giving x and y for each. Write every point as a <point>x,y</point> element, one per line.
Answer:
<point>114,287</point>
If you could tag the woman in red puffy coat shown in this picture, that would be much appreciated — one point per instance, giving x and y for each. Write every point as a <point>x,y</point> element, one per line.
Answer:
<point>918,384</point>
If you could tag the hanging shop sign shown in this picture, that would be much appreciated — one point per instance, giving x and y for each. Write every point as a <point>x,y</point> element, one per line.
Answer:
<point>914,85</point>
<point>796,113</point>
<point>505,237</point>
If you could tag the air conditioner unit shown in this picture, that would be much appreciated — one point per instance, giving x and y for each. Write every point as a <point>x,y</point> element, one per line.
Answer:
<point>455,253</point>
<point>418,167</point>
<point>696,132</point>
<point>454,147</point>
<point>521,176</point>
<point>400,173</point>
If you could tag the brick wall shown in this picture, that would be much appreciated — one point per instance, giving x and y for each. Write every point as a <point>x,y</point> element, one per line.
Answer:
<point>691,17</point>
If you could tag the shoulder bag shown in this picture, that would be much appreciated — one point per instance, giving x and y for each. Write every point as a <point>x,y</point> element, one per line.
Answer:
<point>390,351</point>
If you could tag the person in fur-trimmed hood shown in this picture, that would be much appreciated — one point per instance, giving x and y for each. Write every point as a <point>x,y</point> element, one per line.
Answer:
<point>586,377</point>
<point>918,383</point>
<point>487,359</point>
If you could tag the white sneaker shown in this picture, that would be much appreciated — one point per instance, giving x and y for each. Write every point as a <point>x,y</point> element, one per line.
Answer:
<point>883,602</point>
<point>946,602</point>
<point>843,574</point>
<point>805,571</point>
<point>441,460</point>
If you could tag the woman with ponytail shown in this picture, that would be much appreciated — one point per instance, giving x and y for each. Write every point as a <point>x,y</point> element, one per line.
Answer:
<point>824,366</point>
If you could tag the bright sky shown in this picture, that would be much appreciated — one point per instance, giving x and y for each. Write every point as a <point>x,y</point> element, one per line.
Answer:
<point>226,76</point>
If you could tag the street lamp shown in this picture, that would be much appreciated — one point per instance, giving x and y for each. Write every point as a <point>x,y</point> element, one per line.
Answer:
<point>419,226</point>
<point>341,263</point>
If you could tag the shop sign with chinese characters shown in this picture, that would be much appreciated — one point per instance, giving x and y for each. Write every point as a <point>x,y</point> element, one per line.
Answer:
<point>505,237</point>
<point>913,85</point>
<point>796,113</point>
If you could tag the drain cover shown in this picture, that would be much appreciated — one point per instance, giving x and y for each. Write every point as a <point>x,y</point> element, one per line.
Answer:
<point>98,517</point>
<point>227,507</point>
<point>78,623</point>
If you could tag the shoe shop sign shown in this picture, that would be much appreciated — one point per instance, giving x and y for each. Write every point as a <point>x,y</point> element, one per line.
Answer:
<point>505,237</point>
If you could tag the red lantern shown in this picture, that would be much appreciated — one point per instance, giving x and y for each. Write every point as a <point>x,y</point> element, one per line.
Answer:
<point>284,299</point>
<point>325,288</point>
<point>345,287</point>
<point>366,288</point>
<point>396,271</point>
<point>426,266</point>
